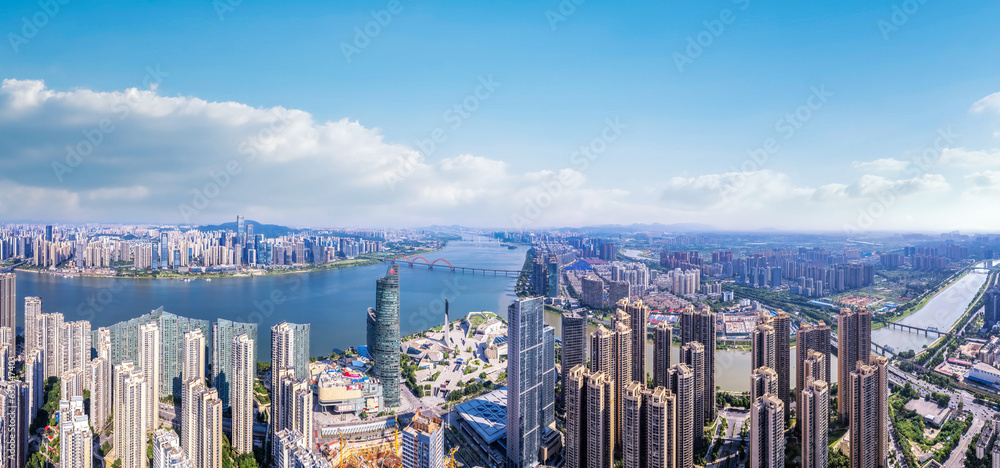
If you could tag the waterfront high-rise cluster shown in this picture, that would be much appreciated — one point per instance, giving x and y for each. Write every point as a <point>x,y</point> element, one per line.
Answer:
<point>384,336</point>
<point>611,412</point>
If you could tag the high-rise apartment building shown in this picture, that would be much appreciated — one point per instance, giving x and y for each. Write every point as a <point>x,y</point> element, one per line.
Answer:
<point>650,418</point>
<point>76,342</point>
<point>574,340</point>
<point>52,328</point>
<point>524,382</point>
<point>812,338</point>
<point>223,332</point>
<point>34,380</point>
<point>782,324</point>
<point>763,381</point>
<point>814,420</point>
<point>762,343</point>
<point>633,416</point>
<point>868,418</point>
<point>290,348</point>
<point>575,399</point>
<point>291,406</point>
<point>75,439</point>
<point>167,450</point>
<point>99,379</point>
<point>8,307</point>
<point>854,344</point>
<point>124,344</point>
<point>699,325</point>
<point>682,384</point>
<point>814,367</point>
<point>201,425</point>
<point>593,291</point>
<point>193,365</point>
<point>767,432</point>
<point>600,443</point>
<point>102,343</point>
<point>693,354</point>
<point>71,384</point>
<point>663,336</point>
<point>383,335</point>
<point>611,353</point>
<point>241,394</point>
<point>131,408</point>
<point>32,313</point>
<point>423,442</point>
<point>13,424</point>
<point>638,314</point>
<point>150,353</point>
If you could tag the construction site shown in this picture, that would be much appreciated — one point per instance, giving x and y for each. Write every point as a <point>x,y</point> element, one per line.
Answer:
<point>374,452</point>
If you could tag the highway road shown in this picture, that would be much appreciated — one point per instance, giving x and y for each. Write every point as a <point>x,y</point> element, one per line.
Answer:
<point>982,413</point>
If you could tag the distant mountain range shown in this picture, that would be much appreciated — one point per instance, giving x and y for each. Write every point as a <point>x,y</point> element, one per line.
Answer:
<point>268,230</point>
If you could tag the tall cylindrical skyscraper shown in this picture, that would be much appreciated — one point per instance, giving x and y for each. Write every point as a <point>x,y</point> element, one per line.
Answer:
<point>383,335</point>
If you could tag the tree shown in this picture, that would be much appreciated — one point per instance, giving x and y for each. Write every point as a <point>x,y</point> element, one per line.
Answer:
<point>36,460</point>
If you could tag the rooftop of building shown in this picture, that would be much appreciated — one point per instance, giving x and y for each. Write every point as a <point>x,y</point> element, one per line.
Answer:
<point>487,415</point>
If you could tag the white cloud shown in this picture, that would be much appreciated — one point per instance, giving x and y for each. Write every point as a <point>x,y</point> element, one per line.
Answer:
<point>882,165</point>
<point>988,103</point>
<point>136,156</point>
<point>961,157</point>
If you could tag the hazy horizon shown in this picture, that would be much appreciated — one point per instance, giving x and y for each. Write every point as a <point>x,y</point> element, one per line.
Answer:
<point>735,115</point>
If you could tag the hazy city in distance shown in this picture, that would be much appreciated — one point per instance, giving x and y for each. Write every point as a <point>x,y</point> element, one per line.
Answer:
<point>567,234</point>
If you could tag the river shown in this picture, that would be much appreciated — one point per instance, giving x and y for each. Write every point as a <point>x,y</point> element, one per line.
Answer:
<point>333,301</point>
<point>940,311</point>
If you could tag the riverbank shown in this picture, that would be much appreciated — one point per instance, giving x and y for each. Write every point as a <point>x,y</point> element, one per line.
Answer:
<point>926,297</point>
<point>249,273</point>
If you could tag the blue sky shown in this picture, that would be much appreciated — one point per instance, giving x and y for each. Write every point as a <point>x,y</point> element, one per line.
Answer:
<point>891,88</point>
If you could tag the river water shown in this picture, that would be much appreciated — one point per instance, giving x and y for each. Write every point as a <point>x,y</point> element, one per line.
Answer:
<point>941,311</point>
<point>333,301</point>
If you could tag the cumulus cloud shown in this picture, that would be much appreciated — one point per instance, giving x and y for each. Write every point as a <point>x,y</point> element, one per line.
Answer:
<point>961,157</point>
<point>135,155</point>
<point>882,165</point>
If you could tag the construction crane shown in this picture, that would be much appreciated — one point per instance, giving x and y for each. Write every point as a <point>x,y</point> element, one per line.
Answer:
<point>451,458</point>
<point>341,432</point>
<point>395,437</point>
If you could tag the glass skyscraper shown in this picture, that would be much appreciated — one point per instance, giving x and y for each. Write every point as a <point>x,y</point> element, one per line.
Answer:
<point>526,377</point>
<point>383,335</point>
<point>125,344</point>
